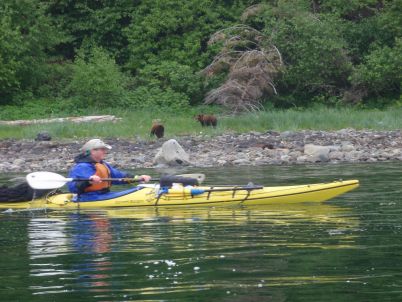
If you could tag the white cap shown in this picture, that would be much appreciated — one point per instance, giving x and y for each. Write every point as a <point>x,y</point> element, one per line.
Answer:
<point>95,143</point>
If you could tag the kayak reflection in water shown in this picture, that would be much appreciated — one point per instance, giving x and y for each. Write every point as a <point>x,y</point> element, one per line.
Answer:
<point>90,165</point>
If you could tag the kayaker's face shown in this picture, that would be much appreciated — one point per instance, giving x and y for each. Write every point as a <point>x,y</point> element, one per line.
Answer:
<point>98,154</point>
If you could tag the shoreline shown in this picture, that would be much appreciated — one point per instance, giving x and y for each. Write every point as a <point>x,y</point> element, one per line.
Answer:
<point>251,149</point>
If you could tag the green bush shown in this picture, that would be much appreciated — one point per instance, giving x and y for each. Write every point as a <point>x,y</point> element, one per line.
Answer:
<point>172,75</point>
<point>381,71</point>
<point>331,50</point>
<point>153,98</point>
<point>41,108</point>
<point>55,78</point>
<point>97,80</point>
<point>171,30</point>
<point>10,50</point>
<point>313,50</point>
<point>27,38</point>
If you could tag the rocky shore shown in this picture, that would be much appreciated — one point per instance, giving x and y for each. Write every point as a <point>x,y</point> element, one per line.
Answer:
<point>253,148</point>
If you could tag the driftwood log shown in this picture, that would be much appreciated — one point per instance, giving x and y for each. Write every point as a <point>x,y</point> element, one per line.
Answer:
<point>73,119</point>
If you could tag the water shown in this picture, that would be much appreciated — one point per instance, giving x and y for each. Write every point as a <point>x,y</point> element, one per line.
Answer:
<point>347,249</point>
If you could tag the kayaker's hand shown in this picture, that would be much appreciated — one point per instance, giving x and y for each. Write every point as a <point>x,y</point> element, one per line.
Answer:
<point>95,179</point>
<point>144,178</point>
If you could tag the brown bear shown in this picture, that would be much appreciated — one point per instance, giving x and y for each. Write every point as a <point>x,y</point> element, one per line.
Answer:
<point>207,120</point>
<point>157,129</point>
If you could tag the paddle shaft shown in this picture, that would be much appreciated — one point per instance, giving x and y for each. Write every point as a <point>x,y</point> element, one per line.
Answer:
<point>109,179</point>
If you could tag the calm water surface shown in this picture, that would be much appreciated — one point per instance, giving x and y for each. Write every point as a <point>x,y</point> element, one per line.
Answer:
<point>348,249</point>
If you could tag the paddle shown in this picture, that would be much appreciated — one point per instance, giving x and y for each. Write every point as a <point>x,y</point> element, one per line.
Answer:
<point>50,180</point>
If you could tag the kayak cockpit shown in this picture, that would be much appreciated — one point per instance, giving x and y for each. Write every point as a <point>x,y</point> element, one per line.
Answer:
<point>94,196</point>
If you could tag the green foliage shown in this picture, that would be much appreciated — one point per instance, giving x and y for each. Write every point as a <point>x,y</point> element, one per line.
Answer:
<point>157,99</point>
<point>97,80</point>
<point>25,33</point>
<point>40,108</point>
<point>10,50</point>
<point>381,71</point>
<point>312,48</point>
<point>56,76</point>
<point>330,48</point>
<point>350,9</point>
<point>390,22</point>
<point>102,21</point>
<point>174,76</point>
<point>177,31</point>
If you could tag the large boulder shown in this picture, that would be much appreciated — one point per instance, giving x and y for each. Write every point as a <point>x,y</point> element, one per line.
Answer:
<point>316,153</point>
<point>172,154</point>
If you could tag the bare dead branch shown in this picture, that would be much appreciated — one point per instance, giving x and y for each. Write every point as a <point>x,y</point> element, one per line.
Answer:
<point>251,70</point>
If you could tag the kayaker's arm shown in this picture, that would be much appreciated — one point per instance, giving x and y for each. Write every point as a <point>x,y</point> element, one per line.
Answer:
<point>80,171</point>
<point>116,173</point>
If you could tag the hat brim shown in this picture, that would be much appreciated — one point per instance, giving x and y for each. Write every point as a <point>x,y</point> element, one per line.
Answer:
<point>105,146</point>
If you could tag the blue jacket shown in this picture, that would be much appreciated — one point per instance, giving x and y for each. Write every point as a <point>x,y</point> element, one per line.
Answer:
<point>85,168</point>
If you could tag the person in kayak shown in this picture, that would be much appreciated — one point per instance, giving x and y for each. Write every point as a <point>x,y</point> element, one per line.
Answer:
<point>90,165</point>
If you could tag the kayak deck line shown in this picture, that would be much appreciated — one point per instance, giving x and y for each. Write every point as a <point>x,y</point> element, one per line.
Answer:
<point>270,197</point>
<point>148,196</point>
<point>288,194</point>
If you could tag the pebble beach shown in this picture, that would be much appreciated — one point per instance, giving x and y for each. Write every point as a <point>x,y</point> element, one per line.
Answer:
<point>252,148</point>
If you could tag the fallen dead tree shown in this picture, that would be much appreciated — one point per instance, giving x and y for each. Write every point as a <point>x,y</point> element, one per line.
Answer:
<point>72,119</point>
<point>252,63</point>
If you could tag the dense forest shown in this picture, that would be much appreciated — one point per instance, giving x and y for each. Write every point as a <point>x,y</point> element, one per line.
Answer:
<point>174,54</point>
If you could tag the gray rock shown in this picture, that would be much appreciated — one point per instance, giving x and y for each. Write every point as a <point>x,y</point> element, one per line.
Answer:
<point>295,154</point>
<point>241,161</point>
<point>362,146</point>
<point>301,159</point>
<point>43,136</point>
<point>18,162</point>
<point>316,153</point>
<point>336,155</point>
<point>172,154</point>
<point>287,134</point>
<point>334,148</point>
<point>353,156</point>
<point>221,162</point>
<point>139,159</point>
<point>14,168</point>
<point>347,147</point>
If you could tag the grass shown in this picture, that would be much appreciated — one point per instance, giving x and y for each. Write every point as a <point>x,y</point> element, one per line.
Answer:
<point>137,123</point>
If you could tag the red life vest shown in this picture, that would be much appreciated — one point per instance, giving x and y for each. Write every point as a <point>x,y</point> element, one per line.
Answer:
<point>103,172</point>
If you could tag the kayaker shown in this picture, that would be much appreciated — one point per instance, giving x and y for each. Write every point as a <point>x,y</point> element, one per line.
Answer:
<point>90,164</point>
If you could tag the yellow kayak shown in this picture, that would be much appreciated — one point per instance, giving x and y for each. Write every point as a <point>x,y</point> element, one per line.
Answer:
<point>151,196</point>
